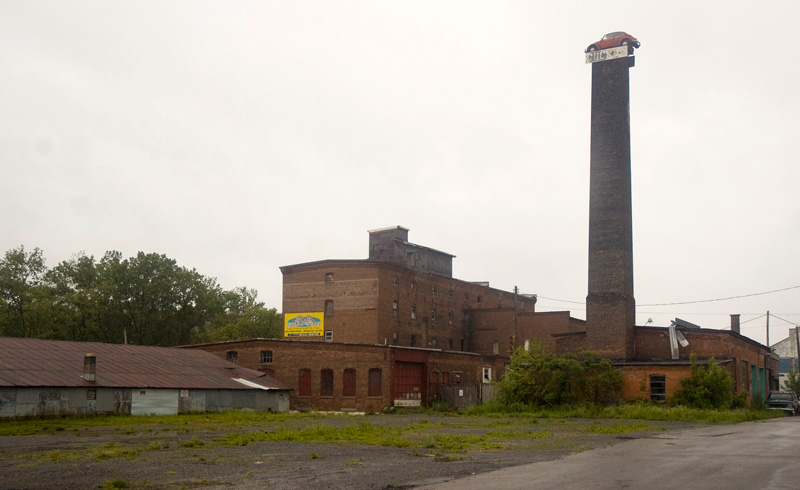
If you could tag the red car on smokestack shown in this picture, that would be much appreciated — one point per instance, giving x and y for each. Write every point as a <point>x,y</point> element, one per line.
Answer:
<point>614,39</point>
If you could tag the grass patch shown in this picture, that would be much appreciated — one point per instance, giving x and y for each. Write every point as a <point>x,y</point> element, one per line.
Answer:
<point>114,484</point>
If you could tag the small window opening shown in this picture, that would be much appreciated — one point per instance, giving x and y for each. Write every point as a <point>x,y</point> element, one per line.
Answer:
<point>232,356</point>
<point>329,307</point>
<point>329,277</point>
<point>658,387</point>
<point>328,336</point>
<point>266,356</point>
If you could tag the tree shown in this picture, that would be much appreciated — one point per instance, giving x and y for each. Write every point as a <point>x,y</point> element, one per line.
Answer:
<point>537,377</point>
<point>707,387</point>
<point>22,292</point>
<point>792,382</point>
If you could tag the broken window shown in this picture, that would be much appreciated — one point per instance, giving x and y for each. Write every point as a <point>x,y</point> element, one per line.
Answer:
<point>232,356</point>
<point>658,387</point>
<point>266,356</point>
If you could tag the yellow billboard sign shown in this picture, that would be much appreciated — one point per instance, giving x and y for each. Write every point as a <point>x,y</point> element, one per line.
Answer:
<point>303,324</point>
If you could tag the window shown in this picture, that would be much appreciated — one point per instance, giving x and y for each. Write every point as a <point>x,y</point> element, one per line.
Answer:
<point>456,376</point>
<point>480,298</point>
<point>329,277</point>
<point>266,356</point>
<point>496,348</point>
<point>413,312</point>
<point>450,293</point>
<point>375,387</point>
<point>394,308</point>
<point>232,356</point>
<point>487,375</point>
<point>658,387</point>
<point>433,314</point>
<point>349,382</point>
<point>326,382</point>
<point>413,285</point>
<point>433,289</point>
<point>412,259</point>
<point>328,336</point>
<point>450,344</point>
<point>450,316</point>
<point>433,342</point>
<point>328,307</point>
<point>395,281</point>
<point>413,340</point>
<point>91,394</point>
<point>304,382</point>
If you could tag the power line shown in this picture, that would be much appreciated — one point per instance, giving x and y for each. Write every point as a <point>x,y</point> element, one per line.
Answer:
<point>685,302</point>
<point>722,299</point>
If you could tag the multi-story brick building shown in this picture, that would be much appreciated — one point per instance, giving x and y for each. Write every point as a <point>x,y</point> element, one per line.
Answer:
<point>403,294</point>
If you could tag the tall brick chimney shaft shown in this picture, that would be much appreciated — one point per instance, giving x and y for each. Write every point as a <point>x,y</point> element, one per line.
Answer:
<point>610,307</point>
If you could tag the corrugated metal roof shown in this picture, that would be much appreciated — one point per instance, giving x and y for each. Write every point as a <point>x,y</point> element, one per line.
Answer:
<point>35,362</point>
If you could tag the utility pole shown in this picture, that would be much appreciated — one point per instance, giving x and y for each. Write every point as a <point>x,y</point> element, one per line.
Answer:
<point>767,328</point>
<point>516,327</point>
<point>797,344</point>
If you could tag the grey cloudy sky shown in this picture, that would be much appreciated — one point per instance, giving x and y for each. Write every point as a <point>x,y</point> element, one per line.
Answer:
<point>237,136</point>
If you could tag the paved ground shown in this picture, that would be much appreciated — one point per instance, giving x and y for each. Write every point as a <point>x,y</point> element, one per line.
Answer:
<point>752,455</point>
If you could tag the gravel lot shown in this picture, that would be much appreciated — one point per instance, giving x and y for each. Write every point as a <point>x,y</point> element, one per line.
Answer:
<point>185,456</point>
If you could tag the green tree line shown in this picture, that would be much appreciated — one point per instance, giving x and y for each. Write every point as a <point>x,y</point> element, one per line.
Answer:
<point>147,299</point>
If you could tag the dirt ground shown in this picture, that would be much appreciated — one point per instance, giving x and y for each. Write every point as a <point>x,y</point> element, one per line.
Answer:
<point>183,457</point>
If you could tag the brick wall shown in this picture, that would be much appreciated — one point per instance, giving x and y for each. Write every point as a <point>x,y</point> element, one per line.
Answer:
<point>494,329</point>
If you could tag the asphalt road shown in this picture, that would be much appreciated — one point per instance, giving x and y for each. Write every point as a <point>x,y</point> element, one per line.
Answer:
<point>751,455</point>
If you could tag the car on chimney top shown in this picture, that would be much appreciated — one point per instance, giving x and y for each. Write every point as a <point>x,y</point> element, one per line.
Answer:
<point>614,39</point>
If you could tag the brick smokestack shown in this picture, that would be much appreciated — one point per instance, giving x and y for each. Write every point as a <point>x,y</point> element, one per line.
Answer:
<point>735,324</point>
<point>610,307</point>
<point>90,367</point>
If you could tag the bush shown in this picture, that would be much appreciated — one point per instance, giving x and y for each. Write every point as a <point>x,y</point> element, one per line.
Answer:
<point>538,378</point>
<point>707,387</point>
<point>792,382</point>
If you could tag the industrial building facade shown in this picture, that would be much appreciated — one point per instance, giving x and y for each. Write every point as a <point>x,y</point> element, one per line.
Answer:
<point>48,377</point>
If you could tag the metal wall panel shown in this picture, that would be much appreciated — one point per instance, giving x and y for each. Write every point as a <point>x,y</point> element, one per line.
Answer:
<point>147,401</point>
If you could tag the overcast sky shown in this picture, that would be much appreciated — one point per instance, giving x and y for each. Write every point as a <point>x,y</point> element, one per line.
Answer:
<point>237,137</point>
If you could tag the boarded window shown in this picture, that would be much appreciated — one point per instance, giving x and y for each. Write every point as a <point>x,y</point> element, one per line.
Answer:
<point>658,387</point>
<point>329,307</point>
<point>745,377</point>
<point>304,383</point>
<point>349,382</point>
<point>375,382</point>
<point>232,356</point>
<point>326,382</point>
<point>266,356</point>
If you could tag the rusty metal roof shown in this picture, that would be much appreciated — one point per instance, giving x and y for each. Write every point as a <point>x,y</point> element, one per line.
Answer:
<point>51,363</point>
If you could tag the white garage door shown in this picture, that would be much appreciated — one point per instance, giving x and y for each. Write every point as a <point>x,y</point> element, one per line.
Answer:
<point>145,401</point>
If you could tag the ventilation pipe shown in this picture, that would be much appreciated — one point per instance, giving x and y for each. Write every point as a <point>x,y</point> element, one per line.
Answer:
<point>735,325</point>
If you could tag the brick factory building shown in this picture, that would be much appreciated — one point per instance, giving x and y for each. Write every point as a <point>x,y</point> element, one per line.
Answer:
<point>398,329</point>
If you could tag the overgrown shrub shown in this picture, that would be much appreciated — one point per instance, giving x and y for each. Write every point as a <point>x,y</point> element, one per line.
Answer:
<point>792,382</point>
<point>537,377</point>
<point>706,387</point>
